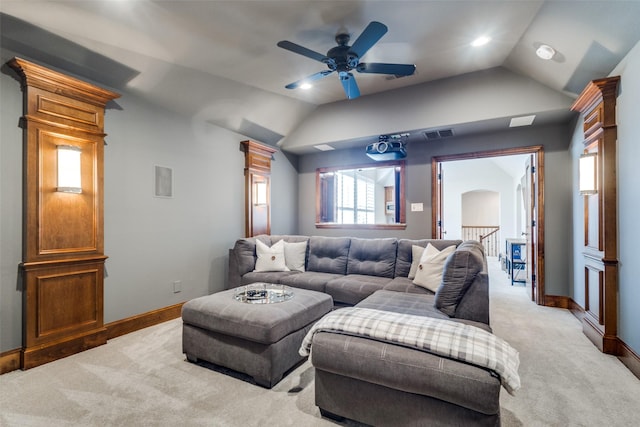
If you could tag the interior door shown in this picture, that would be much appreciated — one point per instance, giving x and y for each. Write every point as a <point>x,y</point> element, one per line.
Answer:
<point>530,191</point>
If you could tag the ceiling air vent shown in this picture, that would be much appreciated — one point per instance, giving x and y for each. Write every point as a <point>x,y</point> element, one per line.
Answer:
<point>438,134</point>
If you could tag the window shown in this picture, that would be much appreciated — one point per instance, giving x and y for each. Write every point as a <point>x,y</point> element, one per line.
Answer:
<point>355,196</point>
<point>368,196</point>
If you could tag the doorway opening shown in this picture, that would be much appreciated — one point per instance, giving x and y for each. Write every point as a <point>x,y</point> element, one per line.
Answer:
<point>522,210</point>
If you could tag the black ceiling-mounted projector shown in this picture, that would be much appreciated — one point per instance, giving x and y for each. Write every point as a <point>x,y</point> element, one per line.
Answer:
<point>386,150</point>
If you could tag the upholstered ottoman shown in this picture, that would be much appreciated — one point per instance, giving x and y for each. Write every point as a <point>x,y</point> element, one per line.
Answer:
<point>261,340</point>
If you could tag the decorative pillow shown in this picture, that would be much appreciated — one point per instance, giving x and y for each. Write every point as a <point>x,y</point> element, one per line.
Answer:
<point>429,271</point>
<point>294,255</point>
<point>270,258</point>
<point>416,254</point>
<point>460,270</point>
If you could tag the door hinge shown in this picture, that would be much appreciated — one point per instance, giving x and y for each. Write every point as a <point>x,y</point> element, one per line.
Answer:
<point>439,223</point>
<point>533,223</point>
<point>439,176</point>
<point>533,278</point>
<point>533,169</point>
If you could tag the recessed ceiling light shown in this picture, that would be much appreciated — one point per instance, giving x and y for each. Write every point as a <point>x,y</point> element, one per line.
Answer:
<point>521,121</point>
<point>545,52</point>
<point>480,41</point>
<point>323,147</point>
<point>306,86</point>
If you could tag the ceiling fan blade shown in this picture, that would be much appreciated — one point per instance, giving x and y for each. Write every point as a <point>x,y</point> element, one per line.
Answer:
<point>301,50</point>
<point>374,32</point>
<point>312,78</point>
<point>349,84</point>
<point>380,68</point>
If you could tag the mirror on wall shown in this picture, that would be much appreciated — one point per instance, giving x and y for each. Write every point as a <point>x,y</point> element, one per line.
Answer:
<point>361,196</point>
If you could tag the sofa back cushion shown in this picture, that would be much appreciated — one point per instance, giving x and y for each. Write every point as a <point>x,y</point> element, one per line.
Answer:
<point>373,257</point>
<point>405,257</point>
<point>328,254</point>
<point>460,270</point>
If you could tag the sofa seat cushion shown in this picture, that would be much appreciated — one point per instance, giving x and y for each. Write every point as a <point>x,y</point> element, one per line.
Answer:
<point>404,284</point>
<point>401,302</point>
<point>266,276</point>
<point>312,280</point>
<point>408,370</point>
<point>353,288</point>
<point>373,257</point>
<point>262,323</point>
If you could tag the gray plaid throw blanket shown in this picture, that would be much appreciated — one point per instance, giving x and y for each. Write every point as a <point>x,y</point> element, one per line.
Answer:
<point>441,337</point>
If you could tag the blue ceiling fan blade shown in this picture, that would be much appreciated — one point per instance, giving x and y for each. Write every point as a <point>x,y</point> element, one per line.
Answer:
<point>380,68</point>
<point>312,78</point>
<point>349,85</point>
<point>374,32</point>
<point>301,50</point>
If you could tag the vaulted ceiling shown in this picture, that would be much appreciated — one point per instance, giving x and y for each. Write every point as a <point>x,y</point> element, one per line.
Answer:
<point>218,61</point>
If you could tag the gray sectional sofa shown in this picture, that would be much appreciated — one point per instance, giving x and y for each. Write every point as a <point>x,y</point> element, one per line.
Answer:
<point>380,383</point>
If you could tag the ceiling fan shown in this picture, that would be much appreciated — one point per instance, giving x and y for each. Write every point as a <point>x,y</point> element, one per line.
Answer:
<point>344,58</point>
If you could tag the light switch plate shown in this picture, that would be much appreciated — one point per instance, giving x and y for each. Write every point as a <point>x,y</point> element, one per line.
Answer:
<point>417,207</point>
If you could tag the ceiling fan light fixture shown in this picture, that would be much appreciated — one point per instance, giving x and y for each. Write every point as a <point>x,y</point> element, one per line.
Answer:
<point>545,52</point>
<point>481,41</point>
<point>306,86</point>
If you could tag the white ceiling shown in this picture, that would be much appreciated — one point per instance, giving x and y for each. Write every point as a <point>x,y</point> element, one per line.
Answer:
<point>218,60</point>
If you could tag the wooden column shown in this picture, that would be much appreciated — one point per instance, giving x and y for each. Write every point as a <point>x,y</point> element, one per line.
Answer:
<point>257,173</point>
<point>63,251</point>
<point>597,103</point>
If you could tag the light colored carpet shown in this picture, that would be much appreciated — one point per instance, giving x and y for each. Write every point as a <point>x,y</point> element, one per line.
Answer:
<point>142,379</point>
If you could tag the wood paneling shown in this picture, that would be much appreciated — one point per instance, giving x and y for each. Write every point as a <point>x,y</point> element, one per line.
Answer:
<point>63,259</point>
<point>597,104</point>
<point>257,170</point>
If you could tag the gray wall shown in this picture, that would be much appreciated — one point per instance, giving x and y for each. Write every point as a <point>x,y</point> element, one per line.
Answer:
<point>150,241</point>
<point>628,112</point>
<point>554,138</point>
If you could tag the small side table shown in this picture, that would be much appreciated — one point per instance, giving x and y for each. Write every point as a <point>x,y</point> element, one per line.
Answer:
<point>516,260</point>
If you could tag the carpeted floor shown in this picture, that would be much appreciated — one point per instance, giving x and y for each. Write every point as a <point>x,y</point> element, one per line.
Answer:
<point>142,379</point>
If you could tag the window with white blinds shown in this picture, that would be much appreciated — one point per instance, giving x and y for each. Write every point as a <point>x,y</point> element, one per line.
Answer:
<point>355,201</point>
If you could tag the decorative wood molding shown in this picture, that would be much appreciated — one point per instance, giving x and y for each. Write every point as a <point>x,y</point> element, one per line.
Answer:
<point>597,105</point>
<point>37,76</point>
<point>144,320</point>
<point>10,360</point>
<point>557,301</point>
<point>576,309</point>
<point>629,357</point>
<point>257,172</point>
<point>63,252</point>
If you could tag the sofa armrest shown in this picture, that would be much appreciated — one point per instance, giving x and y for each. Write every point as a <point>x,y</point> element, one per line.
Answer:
<point>233,276</point>
<point>474,304</point>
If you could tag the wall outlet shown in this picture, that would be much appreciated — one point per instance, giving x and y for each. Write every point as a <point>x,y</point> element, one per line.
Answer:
<point>177,286</point>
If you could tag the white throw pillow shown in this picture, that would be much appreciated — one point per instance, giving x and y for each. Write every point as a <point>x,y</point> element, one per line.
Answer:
<point>294,255</point>
<point>431,266</point>
<point>270,258</point>
<point>416,254</point>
